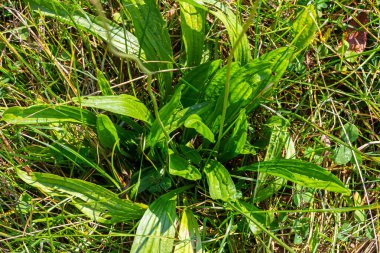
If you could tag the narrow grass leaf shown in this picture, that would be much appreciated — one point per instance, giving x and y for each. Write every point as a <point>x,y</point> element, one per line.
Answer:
<point>151,31</point>
<point>125,105</point>
<point>188,235</point>
<point>179,166</point>
<point>93,200</point>
<point>107,132</point>
<point>220,182</point>
<point>156,230</point>
<point>302,173</point>
<point>304,28</point>
<point>193,32</point>
<point>46,114</point>
<point>73,15</point>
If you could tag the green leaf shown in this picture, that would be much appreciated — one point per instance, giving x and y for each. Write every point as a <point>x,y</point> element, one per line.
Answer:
<point>106,131</point>
<point>151,31</point>
<point>103,83</point>
<point>220,182</point>
<point>195,81</point>
<point>304,28</point>
<point>254,218</point>
<point>46,114</point>
<point>302,173</point>
<point>179,166</point>
<point>93,200</point>
<point>195,122</point>
<point>125,105</point>
<point>188,234</point>
<point>342,155</point>
<point>193,32</point>
<point>277,128</point>
<point>74,15</point>
<point>233,26</point>
<point>235,142</point>
<point>156,230</point>
<point>352,133</point>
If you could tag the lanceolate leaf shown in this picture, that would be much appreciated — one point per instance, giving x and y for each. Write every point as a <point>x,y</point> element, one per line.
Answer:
<point>93,200</point>
<point>46,114</point>
<point>179,166</point>
<point>122,104</point>
<point>106,131</point>
<point>220,182</point>
<point>195,121</point>
<point>150,29</point>
<point>254,220</point>
<point>156,230</point>
<point>73,15</point>
<point>188,234</point>
<point>277,129</point>
<point>304,28</point>
<point>193,32</point>
<point>302,173</point>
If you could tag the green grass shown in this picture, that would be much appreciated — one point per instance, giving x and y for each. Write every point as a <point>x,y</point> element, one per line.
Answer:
<point>188,126</point>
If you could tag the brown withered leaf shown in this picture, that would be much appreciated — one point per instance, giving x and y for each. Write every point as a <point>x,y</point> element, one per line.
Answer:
<point>356,35</point>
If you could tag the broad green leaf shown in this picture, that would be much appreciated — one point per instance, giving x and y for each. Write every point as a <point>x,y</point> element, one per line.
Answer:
<point>103,83</point>
<point>188,234</point>
<point>302,173</point>
<point>220,182</point>
<point>352,133</point>
<point>195,82</point>
<point>125,105</point>
<point>74,15</point>
<point>150,30</point>
<point>193,32</point>
<point>179,166</point>
<point>46,114</point>
<point>195,122</point>
<point>247,84</point>
<point>106,131</point>
<point>342,155</point>
<point>156,230</point>
<point>304,28</point>
<point>173,116</point>
<point>235,142</point>
<point>253,219</point>
<point>93,200</point>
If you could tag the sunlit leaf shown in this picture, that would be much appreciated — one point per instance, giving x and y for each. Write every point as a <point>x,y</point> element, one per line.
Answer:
<point>220,182</point>
<point>188,234</point>
<point>93,200</point>
<point>74,15</point>
<point>106,131</point>
<point>194,121</point>
<point>302,173</point>
<point>121,104</point>
<point>179,166</point>
<point>156,230</point>
<point>193,32</point>
<point>304,28</point>
<point>46,114</point>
